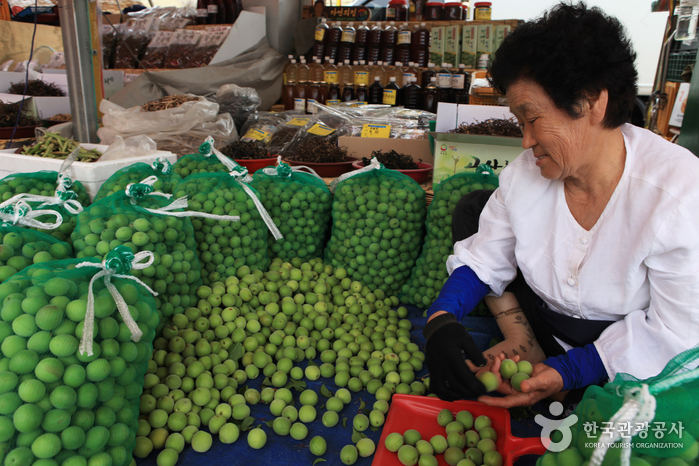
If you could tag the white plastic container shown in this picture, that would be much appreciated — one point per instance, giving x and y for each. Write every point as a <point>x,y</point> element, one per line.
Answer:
<point>90,174</point>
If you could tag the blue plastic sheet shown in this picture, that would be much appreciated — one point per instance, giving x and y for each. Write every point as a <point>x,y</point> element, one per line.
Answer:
<point>283,451</point>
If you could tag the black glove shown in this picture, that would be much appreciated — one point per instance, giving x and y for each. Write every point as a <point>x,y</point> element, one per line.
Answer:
<point>450,377</point>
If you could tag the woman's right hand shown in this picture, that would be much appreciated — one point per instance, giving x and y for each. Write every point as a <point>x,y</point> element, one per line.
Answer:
<point>450,376</point>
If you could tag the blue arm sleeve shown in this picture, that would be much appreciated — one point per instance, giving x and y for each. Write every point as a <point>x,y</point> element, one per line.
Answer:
<point>460,294</point>
<point>579,367</point>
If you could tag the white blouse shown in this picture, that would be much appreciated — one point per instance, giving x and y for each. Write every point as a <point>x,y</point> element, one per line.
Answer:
<point>638,266</point>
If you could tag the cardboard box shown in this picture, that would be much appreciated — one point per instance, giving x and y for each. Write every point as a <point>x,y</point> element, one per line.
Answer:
<point>418,149</point>
<point>452,49</point>
<point>468,46</point>
<point>454,153</point>
<point>484,43</point>
<point>437,45</point>
<point>500,32</point>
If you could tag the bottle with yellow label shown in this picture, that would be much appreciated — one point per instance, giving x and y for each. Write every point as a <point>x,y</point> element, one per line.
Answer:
<point>361,74</point>
<point>330,72</point>
<point>319,44</point>
<point>390,93</point>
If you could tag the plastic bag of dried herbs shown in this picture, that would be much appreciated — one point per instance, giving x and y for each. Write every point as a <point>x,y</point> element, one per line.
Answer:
<point>378,226</point>
<point>300,205</point>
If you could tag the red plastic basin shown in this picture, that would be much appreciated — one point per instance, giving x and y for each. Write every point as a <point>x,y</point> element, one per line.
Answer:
<point>420,174</point>
<point>256,164</point>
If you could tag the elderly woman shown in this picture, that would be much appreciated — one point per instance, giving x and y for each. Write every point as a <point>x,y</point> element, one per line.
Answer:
<point>598,218</point>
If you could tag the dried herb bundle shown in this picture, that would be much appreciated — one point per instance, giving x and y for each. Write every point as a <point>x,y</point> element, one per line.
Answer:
<point>319,150</point>
<point>392,160</point>
<point>37,88</point>
<point>491,127</point>
<point>61,117</point>
<point>283,136</point>
<point>8,116</point>
<point>245,150</point>
<point>169,101</point>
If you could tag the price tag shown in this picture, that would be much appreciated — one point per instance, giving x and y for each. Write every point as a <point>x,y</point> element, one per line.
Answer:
<point>321,130</point>
<point>376,131</point>
<point>389,96</point>
<point>257,135</point>
<point>298,122</point>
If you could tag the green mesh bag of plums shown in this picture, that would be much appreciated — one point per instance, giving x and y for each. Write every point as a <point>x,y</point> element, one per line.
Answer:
<point>76,339</point>
<point>224,246</point>
<point>42,183</point>
<point>647,422</point>
<point>430,272</point>
<point>144,220</point>
<point>47,190</point>
<point>20,248</point>
<point>167,179</point>
<point>205,161</point>
<point>378,226</point>
<point>300,205</point>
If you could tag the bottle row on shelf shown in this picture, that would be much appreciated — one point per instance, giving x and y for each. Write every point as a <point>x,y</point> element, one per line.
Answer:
<point>388,44</point>
<point>397,85</point>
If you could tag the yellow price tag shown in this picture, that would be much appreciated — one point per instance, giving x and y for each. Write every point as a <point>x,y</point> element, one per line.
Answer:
<point>321,130</point>
<point>298,122</point>
<point>376,131</point>
<point>257,135</point>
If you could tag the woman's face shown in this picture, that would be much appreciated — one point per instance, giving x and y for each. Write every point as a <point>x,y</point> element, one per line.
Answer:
<point>558,141</point>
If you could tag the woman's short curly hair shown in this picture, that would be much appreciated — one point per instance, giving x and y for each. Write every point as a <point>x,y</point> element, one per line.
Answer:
<point>573,52</point>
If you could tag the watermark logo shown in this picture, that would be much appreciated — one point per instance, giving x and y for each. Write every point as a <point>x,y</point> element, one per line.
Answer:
<point>562,425</point>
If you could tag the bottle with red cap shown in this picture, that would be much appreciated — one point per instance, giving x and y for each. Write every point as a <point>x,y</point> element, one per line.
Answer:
<point>434,10</point>
<point>452,10</point>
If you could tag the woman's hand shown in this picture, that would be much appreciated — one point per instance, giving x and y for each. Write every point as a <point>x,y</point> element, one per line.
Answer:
<point>544,382</point>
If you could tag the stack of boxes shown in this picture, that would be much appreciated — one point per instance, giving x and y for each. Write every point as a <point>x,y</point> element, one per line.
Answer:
<point>456,44</point>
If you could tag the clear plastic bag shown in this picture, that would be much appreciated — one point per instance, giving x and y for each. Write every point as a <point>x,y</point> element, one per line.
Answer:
<point>322,129</point>
<point>130,47</point>
<point>181,47</point>
<point>240,102</point>
<point>130,147</point>
<point>158,48</point>
<point>262,126</point>
<point>208,46</point>
<point>180,130</point>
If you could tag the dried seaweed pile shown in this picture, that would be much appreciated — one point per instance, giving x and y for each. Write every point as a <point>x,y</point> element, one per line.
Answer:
<point>491,127</point>
<point>169,101</point>
<point>241,150</point>
<point>37,88</point>
<point>8,116</point>
<point>319,150</point>
<point>392,160</point>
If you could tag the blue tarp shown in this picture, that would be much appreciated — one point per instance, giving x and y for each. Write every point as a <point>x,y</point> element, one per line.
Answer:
<point>282,451</point>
